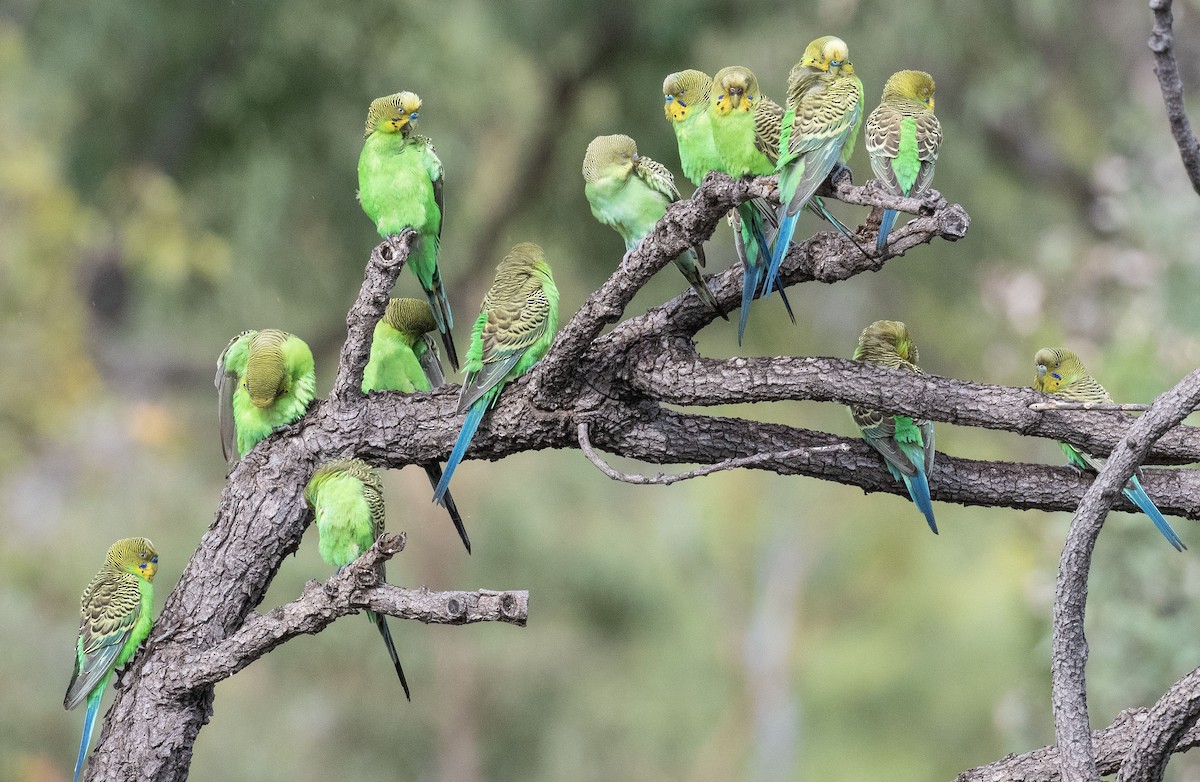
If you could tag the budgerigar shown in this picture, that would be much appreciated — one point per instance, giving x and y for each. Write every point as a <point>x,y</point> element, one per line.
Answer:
<point>1060,373</point>
<point>685,102</point>
<point>346,498</point>
<point>745,129</point>
<point>265,381</point>
<point>515,327</point>
<point>630,193</point>
<point>400,186</point>
<point>824,114</point>
<point>902,137</point>
<point>115,614</point>
<point>905,443</point>
<point>404,358</point>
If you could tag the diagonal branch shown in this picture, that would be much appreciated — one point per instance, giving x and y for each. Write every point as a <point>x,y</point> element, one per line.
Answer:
<point>1162,43</point>
<point>1170,726</point>
<point>1073,734</point>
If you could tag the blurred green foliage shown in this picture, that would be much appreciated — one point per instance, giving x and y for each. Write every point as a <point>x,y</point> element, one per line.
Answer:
<point>171,174</point>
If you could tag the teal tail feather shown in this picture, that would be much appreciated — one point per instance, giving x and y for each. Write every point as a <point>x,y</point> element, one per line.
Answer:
<point>434,471</point>
<point>751,277</point>
<point>783,240</point>
<point>380,622</point>
<point>443,318</point>
<point>1137,495</point>
<point>918,490</point>
<point>885,227</point>
<point>470,424</point>
<point>89,722</point>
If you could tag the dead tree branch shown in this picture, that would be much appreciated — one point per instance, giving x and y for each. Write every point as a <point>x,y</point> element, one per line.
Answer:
<point>1162,43</point>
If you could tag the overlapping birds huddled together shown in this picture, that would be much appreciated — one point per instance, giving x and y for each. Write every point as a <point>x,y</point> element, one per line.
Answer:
<point>266,379</point>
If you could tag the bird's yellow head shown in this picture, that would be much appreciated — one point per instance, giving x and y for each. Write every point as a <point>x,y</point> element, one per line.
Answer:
<point>411,317</point>
<point>884,341</point>
<point>133,555</point>
<point>266,372</point>
<point>393,114</point>
<point>910,85</point>
<point>684,91</point>
<point>735,89</point>
<point>1056,367</point>
<point>828,53</point>
<point>609,156</point>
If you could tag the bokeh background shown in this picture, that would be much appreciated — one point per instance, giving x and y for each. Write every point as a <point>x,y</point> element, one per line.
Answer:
<point>173,173</point>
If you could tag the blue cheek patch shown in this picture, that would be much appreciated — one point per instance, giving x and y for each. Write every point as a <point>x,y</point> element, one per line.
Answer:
<point>1056,376</point>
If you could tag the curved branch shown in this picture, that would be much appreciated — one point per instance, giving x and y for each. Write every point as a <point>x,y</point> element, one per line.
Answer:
<point>1165,729</point>
<point>1073,734</point>
<point>1162,43</point>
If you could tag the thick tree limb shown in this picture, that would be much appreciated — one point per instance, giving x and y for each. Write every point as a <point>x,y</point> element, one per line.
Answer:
<point>1168,727</point>
<point>1069,659</point>
<point>1162,43</point>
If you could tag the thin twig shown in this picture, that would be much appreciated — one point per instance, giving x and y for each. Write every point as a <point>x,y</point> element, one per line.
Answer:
<point>662,479</point>
<point>1162,43</point>
<point>1114,406</point>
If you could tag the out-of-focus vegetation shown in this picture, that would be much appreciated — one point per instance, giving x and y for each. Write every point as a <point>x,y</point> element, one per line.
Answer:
<point>173,173</point>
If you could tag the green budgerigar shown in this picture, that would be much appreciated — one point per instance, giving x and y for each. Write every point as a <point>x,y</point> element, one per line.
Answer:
<point>265,381</point>
<point>824,114</point>
<point>685,102</point>
<point>404,358</point>
<point>1060,373</point>
<point>115,615</point>
<point>903,137</point>
<point>905,443</point>
<point>400,186</point>
<point>515,327</point>
<point>630,193</point>
<point>346,498</point>
<point>745,129</point>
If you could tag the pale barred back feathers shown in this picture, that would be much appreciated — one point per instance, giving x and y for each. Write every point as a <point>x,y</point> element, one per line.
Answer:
<point>411,317</point>
<point>888,343</point>
<point>265,367</point>
<point>605,151</point>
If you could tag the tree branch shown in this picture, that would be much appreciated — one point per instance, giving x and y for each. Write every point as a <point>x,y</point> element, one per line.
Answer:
<point>1069,659</point>
<point>1162,43</point>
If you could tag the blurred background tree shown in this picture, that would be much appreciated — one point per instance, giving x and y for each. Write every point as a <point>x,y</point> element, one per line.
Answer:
<point>171,174</point>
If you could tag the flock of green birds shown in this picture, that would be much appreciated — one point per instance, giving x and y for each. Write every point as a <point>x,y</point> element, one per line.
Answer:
<point>266,380</point>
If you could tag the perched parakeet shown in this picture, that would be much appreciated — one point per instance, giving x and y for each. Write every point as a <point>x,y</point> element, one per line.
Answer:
<point>404,358</point>
<point>685,102</point>
<point>745,129</point>
<point>515,327</point>
<point>115,614</point>
<point>346,498</point>
<point>400,186</point>
<point>1060,373</point>
<point>903,136</point>
<point>265,381</point>
<point>630,193</point>
<point>824,114</point>
<point>906,443</point>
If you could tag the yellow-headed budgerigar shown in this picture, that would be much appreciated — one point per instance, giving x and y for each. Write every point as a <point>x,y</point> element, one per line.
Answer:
<point>824,114</point>
<point>404,358</point>
<point>515,327</point>
<point>745,129</point>
<point>265,381</point>
<point>902,137</point>
<point>1060,373</point>
<point>115,614</point>
<point>905,443</point>
<point>399,187</point>
<point>346,498</point>
<point>630,193</point>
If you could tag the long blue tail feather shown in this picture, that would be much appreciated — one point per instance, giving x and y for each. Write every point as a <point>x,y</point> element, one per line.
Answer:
<point>751,274</point>
<point>918,490</point>
<point>89,722</point>
<point>783,240</point>
<point>470,424</point>
<point>885,227</point>
<point>1137,495</point>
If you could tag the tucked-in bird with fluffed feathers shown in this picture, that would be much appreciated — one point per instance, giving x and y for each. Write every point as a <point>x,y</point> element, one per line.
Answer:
<point>1061,374</point>
<point>265,381</point>
<point>404,358</point>
<point>903,136</point>
<point>515,327</point>
<point>346,498</point>
<point>115,615</point>
<point>630,193</point>
<point>400,186</point>
<point>905,443</point>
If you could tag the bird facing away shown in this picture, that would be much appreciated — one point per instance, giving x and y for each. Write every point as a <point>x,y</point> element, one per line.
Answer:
<point>399,187</point>
<point>404,358</point>
<point>346,498</point>
<point>903,137</point>
<point>265,381</point>
<point>630,193</point>
<point>745,128</point>
<point>115,614</point>
<point>515,327</point>
<point>1060,373</point>
<point>824,114</point>
<point>905,443</point>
